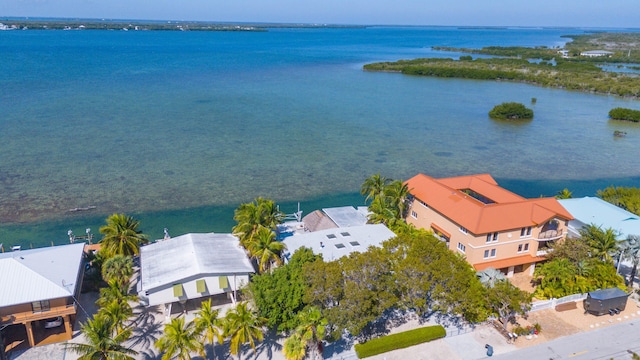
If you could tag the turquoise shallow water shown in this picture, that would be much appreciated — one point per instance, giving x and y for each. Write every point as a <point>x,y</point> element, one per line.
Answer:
<point>178,128</point>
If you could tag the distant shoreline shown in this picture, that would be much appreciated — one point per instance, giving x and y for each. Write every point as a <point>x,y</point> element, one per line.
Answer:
<point>147,25</point>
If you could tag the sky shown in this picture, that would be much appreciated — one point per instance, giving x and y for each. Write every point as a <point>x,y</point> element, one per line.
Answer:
<point>570,13</point>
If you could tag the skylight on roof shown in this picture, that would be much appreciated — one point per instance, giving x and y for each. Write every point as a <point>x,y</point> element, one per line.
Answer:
<point>331,236</point>
<point>483,199</point>
<point>345,234</point>
<point>340,246</point>
<point>354,243</point>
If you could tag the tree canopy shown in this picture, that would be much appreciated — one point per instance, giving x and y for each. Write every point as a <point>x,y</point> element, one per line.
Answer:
<point>388,199</point>
<point>627,198</point>
<point>250,217</point>
<point>121,236</point>
<point>511,111</point>
<point>279,295</point>
<point>414,271</point>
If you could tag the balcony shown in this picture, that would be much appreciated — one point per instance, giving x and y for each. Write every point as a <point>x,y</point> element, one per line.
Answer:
<point>550,235</point>
<point>23,317</point>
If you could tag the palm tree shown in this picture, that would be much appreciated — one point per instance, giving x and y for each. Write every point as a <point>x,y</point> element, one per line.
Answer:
<point>381,211</point>
<point>312,328</point>
<point>564,194</point>
<point>243,326</point>
<point>121,236</point>
<point>101,342</point>
<point>115,293</point>
<point>118,269</point>
<point>373,186</point>
<point>118,313</point>
<point>490,276</point>
<point>251,216</point>
<point>265,249</point>
<point>631,251</point>
<point>603,242</point>
<point>179,340</point>
<point>556,277</point>
<point>208,325</point>
<point>294,347</point>
<point>396,193</point>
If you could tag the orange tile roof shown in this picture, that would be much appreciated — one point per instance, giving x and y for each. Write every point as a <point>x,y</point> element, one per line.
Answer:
<point>510,211</point>
<point>505,263</point>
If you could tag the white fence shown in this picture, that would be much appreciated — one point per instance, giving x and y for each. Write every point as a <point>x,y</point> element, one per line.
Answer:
<point>550,304</point>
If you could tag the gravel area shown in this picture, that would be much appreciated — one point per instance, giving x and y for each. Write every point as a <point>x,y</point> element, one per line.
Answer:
<point>555,324</point>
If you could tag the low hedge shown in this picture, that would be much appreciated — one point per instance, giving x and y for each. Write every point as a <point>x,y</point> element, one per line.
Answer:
<point>400,341</point>
<point>625,114</point>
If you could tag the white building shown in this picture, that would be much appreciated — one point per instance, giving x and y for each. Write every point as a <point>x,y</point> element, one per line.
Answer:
<point>192,266</point>
<point>335,243</point>
<point>596,53</point>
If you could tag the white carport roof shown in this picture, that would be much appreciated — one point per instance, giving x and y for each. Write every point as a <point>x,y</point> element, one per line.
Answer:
<point>39,274</point>
<point>187,256</point>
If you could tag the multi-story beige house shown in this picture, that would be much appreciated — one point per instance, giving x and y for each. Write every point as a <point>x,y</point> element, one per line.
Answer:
<point>487,224</point>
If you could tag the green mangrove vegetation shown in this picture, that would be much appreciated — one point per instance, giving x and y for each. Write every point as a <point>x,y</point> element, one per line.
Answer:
<point>624,114</point>
<point>511,111</point>
<point>540,66</point>
<point>584,77</point>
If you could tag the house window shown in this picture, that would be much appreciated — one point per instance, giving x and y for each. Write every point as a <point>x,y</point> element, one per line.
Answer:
<point>414,214</point>
<point>523,247</point>
<point>461,247</point>
<point>492,237</point>
<point>490,253</point>
<point>463,230</point>
<point>40,306</point>
<point>525,231</point>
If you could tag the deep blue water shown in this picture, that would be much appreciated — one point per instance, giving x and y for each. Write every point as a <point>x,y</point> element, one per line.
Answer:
<point>178,128</point>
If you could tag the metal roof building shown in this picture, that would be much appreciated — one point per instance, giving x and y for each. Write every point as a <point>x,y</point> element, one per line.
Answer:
<point>39,285</point>
<point>39,274</point>
<point>333,244</point>
<point>593,210</point>
<point>192,266</point>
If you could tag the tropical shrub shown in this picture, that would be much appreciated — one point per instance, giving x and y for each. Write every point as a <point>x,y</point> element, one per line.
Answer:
<point>511,111</point>
<point>400,341</point>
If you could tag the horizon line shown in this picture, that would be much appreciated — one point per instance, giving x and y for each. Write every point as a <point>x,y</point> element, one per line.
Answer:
<point>267,23</point>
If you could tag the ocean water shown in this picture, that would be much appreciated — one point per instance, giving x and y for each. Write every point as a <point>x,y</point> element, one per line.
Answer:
<point>178,128</point>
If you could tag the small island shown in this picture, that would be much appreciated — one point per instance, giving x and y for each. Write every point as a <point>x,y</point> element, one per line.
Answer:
<point>511,111</point>
<point>624,114</point>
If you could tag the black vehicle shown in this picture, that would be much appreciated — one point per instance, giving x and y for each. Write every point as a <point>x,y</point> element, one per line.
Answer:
<point>608,301</point>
